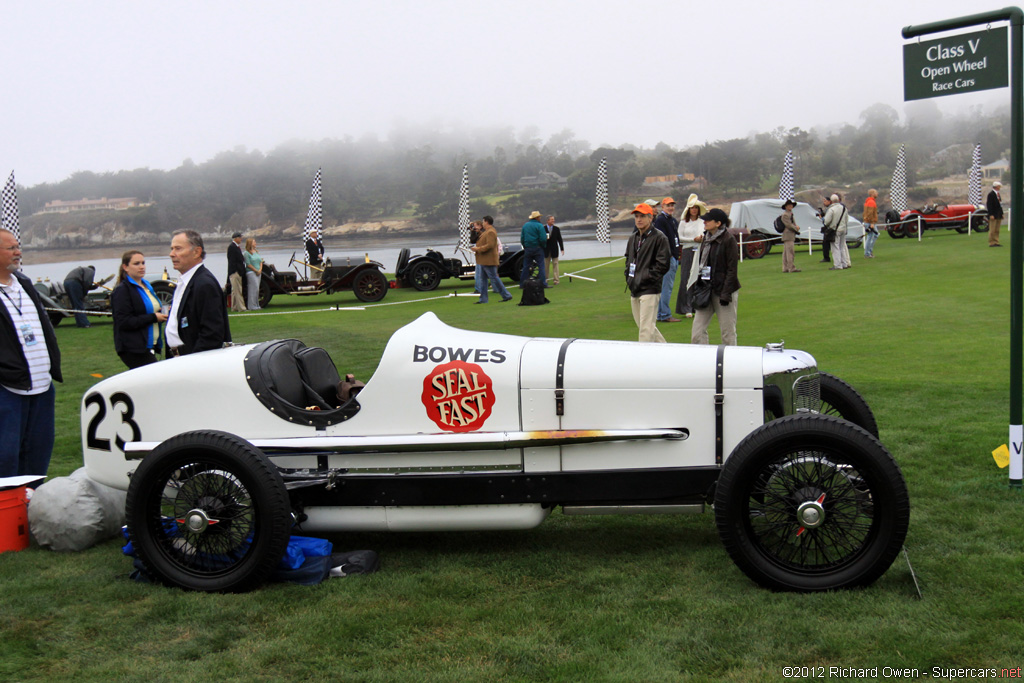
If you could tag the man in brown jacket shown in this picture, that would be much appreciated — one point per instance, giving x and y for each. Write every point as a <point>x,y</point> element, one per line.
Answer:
<point>789,232</point>
<point>486,250</point>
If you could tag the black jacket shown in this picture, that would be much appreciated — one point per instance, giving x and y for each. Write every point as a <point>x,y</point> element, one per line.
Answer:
<point>669,227</point>
<point>995,209</point>
<point>724,258</point>
<point>131,320</point>
<point>236,262</point>
<point>554,246</point>
<point>14,372</point>
<point>651,257</point>
<point>202,314</point>
<point>314,252</point>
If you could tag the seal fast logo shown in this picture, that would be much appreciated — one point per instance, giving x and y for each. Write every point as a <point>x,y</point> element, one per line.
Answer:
<point>458,396</point>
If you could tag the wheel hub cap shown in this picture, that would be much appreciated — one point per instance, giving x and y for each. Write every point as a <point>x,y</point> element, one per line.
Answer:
<point>197,521</point>
<point>811,514</point>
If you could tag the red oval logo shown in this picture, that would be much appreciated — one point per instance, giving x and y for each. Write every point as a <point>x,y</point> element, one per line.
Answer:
<point>458,396</point>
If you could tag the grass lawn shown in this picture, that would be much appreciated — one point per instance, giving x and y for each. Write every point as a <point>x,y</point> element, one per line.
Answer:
<point>922,331</point>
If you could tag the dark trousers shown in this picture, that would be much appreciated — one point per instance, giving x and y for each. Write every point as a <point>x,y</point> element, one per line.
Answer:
<point>826,248</point>
<point>77,296</point>
<point>26,423</point>
<point>137,360</point>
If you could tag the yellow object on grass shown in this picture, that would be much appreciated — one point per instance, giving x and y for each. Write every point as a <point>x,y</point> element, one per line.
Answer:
<point>1002,456</point>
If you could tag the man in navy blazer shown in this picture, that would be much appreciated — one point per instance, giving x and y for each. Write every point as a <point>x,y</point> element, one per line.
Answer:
<point>199,317</point>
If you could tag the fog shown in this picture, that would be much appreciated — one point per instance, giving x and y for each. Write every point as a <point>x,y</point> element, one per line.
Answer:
<point>118,85</point>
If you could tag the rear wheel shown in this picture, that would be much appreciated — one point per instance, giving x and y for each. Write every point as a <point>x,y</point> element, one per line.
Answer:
<point>811,503</point>
<point>517,268</point>
<point>208,511</point>
<point>425,276</point>
<point>265,295</point>
<point>370,285</point>
<point>896,231</point>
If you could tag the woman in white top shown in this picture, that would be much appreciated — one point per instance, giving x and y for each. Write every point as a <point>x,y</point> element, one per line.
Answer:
<point>691,228</point>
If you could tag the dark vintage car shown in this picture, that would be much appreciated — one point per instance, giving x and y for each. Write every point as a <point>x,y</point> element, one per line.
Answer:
<point>934,217</point>
<point>425,271</point>
<point>365,279</point>
<point>58,304</point>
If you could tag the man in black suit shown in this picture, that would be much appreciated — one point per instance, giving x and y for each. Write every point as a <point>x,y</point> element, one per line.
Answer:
<point>314,249</point>
<point>995,214</point>
<point>198,319</point>
<point>236,273</point>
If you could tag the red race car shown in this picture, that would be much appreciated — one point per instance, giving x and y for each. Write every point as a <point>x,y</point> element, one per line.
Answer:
<point>934,216</point>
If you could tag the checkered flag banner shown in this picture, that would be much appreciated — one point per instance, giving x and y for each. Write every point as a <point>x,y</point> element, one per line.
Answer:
<point>898,188</point>
<point>464,208</point>
<point>315,216</point>
<point>603,233</point>
<point>10,208</point>
<point>974,179</point>
<point>786,185</point>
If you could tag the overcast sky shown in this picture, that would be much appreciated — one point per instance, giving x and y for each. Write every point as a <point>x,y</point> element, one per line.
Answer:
<point>111,85</point>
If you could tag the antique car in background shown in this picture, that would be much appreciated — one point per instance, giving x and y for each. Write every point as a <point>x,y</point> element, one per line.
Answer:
<point>755,220</point>
<point>937,216</point>
<point>97,302</point>
<point>464,430</point>
<point>365,279</point>
<point>425,271</point>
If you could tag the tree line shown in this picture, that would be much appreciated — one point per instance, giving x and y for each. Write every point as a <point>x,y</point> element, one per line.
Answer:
<point>415,173</point>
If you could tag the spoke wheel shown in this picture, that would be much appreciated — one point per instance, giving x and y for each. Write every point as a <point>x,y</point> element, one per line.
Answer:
<point>265,295</point>
<point>370,285</point>
<point>164,290</point>
<point>207,511</point>
<point>812,503</point>
<point>839,399</point>
<point>425,276</point>
<point>911,227</point>
<point>757,248</point>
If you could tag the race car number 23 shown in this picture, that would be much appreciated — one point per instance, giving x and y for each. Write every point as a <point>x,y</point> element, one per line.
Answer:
<point>127,418</point>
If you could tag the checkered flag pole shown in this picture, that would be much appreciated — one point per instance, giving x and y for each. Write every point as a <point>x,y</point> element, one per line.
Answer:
<point>786,186</point>
<point>898,188</point>
<point>10,208</point>
<point>603,232</point>
<point>974,178</point>
<point>315,216</point>
<point>464,208</point>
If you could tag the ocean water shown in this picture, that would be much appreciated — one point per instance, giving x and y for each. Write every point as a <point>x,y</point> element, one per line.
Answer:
<point>579,244</point>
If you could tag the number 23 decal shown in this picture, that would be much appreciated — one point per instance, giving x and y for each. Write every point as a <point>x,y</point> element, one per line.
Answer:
<point>127,413</point>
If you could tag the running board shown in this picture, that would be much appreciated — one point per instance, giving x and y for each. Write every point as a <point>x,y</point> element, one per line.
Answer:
<point>633,509</point>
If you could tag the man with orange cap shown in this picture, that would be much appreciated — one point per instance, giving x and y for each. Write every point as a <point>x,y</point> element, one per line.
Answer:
<point>647,260</point>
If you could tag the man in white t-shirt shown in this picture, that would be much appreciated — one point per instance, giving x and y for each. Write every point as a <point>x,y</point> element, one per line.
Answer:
<point>29,362</point>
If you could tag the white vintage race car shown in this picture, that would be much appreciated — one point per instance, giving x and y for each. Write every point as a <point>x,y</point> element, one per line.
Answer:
<point>461,430</point>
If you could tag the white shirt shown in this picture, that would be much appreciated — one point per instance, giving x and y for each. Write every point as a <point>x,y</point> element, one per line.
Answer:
<point>29,330</point>
<point>171,329</point>
<point>688,230</point>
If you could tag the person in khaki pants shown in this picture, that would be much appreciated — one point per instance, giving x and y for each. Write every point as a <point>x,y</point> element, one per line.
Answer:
<point>995,214</point>
<point>789,232</point>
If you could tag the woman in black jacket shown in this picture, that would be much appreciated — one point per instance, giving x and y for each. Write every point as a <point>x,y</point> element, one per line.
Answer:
<point>137,316</point>
<point>717,266</point>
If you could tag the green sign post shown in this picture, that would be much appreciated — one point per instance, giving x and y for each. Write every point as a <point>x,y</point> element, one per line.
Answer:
<point>964,63</point>
<point>972,63</point>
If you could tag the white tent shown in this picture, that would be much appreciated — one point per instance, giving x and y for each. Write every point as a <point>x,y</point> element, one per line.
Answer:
<point>758,216</point>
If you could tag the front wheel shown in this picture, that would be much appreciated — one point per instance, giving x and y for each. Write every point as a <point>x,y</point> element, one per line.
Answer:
<point>911,227</point>
<point>757,248</point>
<point>164,290</point>
<point>265,295</point>
<point>370,285</point>
<point>811,503</point>
<point>208,511</point>
<point>979,223</point>
<point>839,399</point>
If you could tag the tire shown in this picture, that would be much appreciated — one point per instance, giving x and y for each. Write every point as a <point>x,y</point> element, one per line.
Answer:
<point>839,399</point>
<point>517,267</point>
<point>55,317</point>
<point>265,295</point>
<point>403,261</point>
<point>911,227</point>
<point>978,223</point>
<point>757,248</point>
<point>370,285</point>
<point>164,290</point>
<point>424,276</point>
<point>811,503</point>
<point>232,494</point>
